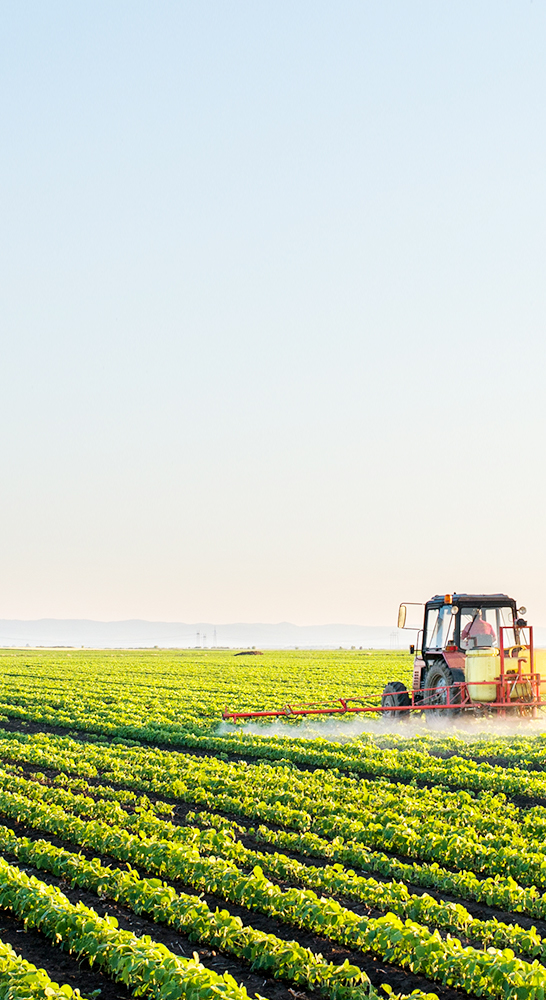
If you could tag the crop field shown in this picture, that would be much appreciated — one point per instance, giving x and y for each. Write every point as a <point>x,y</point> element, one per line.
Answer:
<point>131,693</point>
<point>146,849</point>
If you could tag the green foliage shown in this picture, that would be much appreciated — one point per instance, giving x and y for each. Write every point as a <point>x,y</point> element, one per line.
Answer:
<point>145,966</point>
<point>191,915</point>
<point>380,812</point>
<point>171,692</point>
<point>20,980</point>
<point>406,943</point>
<point>485,834</point>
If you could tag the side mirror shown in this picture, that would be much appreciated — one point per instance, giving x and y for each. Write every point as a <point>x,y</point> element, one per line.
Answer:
<point>402,612</point>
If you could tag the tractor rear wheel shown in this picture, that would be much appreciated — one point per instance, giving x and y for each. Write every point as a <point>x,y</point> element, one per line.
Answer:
<point>395,694</point>
<point>441,682</point>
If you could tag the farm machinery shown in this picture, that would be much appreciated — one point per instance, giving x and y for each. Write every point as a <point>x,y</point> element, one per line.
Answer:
<point>474,653</point>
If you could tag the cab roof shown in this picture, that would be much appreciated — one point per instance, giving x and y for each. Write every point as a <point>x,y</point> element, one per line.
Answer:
<point>473,600</point>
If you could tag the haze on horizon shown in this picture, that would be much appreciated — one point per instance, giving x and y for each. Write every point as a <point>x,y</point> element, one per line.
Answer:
<point>273,308</point>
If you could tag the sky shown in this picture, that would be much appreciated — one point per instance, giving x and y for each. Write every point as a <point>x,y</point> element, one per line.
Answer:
<point>272,307</point>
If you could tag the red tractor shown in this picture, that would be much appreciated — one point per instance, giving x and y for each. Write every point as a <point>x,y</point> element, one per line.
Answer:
<point>474,651</point>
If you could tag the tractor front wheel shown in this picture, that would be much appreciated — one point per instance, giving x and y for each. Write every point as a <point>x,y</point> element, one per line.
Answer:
<point>395,694</point>
<point>441,690</point>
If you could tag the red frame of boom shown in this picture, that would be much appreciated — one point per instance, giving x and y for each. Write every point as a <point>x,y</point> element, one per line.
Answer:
<point>505,683</point>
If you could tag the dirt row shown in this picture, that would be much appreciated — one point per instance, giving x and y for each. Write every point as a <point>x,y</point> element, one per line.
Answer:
<point>478,910</point>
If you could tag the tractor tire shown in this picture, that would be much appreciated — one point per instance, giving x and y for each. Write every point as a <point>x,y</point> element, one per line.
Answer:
<point>441,680</point>
<point>394,694</point>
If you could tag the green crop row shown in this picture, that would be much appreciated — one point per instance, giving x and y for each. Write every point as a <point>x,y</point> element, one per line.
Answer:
<point>119,762</point>
<point>174,696</point>
<point>80,786</point>
<point>456,848</point>
<point>493,972</point>
<point>522,751</point>
<point>20,980</point>
<point>192,916</point>
<point>395,897</point>
<point>165,693</point>
<point>368,758</point>
<point>372,759</point>
<point>141,964</point>
<point>500,891</point>
<point>318,801</point>
<point>332,879</point>
<point>377,829</point>
<point>270,794</point>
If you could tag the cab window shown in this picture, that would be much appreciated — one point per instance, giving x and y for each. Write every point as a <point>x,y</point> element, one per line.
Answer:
<point>481,626</point>
<point>440,626</point>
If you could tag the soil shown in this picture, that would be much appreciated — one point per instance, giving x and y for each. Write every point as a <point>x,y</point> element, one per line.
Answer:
<point>478,910</point>
<point>62,968</point>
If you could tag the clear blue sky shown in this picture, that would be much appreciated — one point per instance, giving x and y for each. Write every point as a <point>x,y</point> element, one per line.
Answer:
<point>273,307</point>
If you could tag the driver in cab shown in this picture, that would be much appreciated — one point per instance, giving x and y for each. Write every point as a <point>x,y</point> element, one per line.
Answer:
<point>477,627</point>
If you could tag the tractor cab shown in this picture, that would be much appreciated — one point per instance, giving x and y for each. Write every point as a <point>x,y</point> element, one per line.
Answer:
<point>466,622</point>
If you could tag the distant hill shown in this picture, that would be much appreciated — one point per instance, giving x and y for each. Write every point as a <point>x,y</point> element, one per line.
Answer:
<point>138,634</point>
<point>144,634</point>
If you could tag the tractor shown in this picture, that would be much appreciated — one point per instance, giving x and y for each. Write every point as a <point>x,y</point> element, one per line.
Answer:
<point>474,653</point>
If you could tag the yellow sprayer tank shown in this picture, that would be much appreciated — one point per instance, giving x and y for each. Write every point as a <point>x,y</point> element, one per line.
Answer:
<point>482,665</point>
